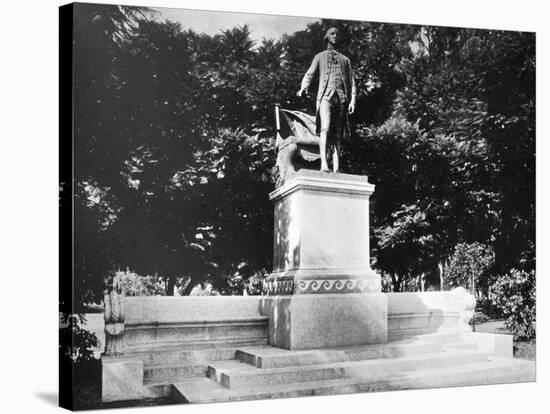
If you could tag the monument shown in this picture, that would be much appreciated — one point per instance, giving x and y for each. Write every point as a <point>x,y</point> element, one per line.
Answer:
<point>322,291</point>
<point>322,325</point>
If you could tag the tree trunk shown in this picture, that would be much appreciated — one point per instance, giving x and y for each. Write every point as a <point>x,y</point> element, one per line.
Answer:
<point>441,275</point>
<point>187,287</point>
<point>170,283</point>
<point>396,282</point>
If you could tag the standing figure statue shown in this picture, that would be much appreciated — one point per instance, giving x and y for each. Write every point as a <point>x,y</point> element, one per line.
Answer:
<point>335,98</point>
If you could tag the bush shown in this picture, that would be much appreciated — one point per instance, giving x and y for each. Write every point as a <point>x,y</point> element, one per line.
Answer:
<point>514,294</point>
<point>205,289</point>
<point>255,283</point>
<point>487,307</point>
<point>75,343</point>
<point>133,284</point>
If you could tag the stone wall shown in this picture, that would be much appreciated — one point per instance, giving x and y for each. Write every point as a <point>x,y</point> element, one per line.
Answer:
<point>420,313</point>
<point>160,322</point>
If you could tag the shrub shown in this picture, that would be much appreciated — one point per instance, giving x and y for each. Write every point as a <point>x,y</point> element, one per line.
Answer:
<point>255,283</point>
<point>75,343</point>
<point>132,284</point>
<point>487,306</point>
<point>387,284</point>
<point>205,289</point>
<point>514,294</point>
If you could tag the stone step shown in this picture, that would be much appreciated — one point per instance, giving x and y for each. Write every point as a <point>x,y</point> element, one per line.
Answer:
<point>179,355</point>
<point>167,365</point>
<point>441,338</point>
<point>461,345</point>
<point>271,357</point>
<point>169,373</point>
<point>490,344</point>
<point>494,370</point>
<point>236,374</point>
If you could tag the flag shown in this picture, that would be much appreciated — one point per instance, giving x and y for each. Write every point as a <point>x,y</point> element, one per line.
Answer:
<point>299,128</point>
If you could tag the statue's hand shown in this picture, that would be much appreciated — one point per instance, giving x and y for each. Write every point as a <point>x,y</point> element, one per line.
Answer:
<point>351,107</point>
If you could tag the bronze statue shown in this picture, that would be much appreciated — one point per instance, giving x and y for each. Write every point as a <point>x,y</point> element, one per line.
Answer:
<point>335,98</point>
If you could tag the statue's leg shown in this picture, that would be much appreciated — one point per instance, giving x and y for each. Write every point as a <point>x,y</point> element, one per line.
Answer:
<point>324,113</point>
<point>338,132</point>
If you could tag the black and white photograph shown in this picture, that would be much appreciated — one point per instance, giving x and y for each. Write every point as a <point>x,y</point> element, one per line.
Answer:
<point>262,206</point>
<point>258,207</point>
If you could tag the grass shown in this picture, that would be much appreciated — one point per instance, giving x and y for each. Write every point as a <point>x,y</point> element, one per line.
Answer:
<point>525,350</point>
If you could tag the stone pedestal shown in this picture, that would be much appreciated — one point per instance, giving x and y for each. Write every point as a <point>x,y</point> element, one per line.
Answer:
<point>326,321</point>
<point>322,292</point>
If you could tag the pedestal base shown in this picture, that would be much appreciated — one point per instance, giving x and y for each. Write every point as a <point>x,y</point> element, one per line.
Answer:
<point>323,321</point>
<point>321,238</point>
<point>122,379</point>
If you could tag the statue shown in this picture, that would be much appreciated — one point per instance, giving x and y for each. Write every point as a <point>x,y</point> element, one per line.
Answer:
<point>335,98</point>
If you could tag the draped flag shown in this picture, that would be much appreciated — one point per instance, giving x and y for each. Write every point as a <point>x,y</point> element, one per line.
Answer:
<point>297,142</point>
<point>298,128</point>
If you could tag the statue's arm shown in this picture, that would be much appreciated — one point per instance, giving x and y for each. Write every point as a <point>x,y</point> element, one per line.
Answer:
<point>306,81</point>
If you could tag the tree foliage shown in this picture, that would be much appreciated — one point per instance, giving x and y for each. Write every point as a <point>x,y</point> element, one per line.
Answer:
<point>76,345</point>
<point>443,159</point>
<point>174,155</point>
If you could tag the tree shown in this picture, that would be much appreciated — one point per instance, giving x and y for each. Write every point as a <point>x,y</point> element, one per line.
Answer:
<point>175,158</point>
<point>449,168</point>
<point>469,267</point>
<point>100,33</point>
<point>176,191</point>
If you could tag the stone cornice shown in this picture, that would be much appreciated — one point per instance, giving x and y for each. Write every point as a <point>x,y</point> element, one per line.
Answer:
<point>324,182</point>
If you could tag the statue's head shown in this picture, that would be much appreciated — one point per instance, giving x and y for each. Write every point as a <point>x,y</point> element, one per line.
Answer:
<point>332,35</point>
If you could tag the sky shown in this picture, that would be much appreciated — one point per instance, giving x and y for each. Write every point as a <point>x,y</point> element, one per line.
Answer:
<point>211,22</point>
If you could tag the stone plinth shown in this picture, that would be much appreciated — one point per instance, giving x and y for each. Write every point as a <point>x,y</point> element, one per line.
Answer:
<point>321,235</point>
<point>322,292</point>
<point>122,379</point>
<point>323,321</point>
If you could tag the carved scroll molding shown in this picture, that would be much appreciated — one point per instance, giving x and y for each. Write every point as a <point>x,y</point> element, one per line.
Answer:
<point>338,286</point>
